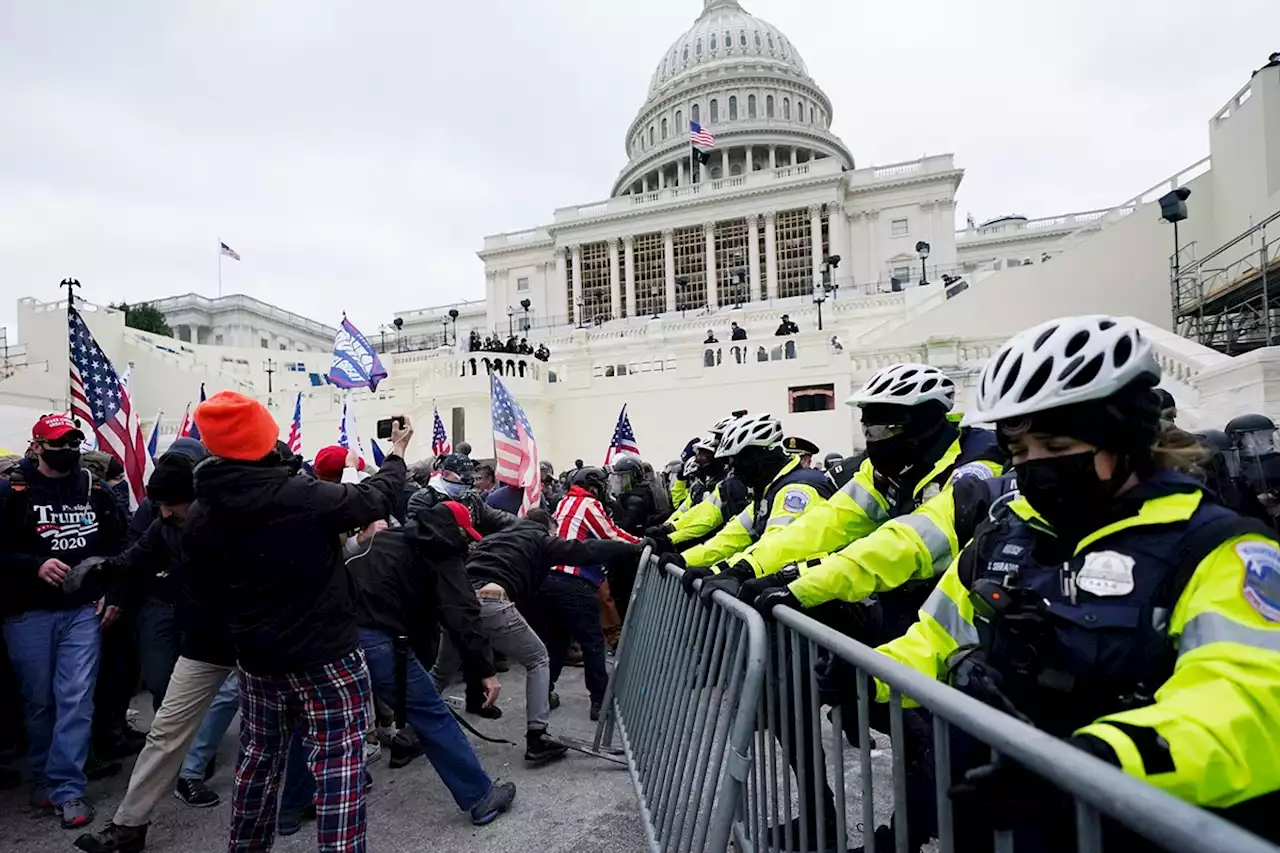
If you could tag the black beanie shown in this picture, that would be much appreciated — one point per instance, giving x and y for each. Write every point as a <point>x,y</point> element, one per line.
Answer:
<point>173,480</point>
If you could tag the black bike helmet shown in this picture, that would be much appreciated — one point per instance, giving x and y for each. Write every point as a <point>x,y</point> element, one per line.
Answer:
<point>594,480</point>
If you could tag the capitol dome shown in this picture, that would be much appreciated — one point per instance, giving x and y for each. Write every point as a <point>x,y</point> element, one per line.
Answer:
<point>743,80</point>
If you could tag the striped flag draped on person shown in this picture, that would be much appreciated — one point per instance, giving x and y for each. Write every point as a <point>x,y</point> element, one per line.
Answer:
<point>624,439</point>
<point>295,429</point>
<point>439,438</point>
<point>514,446</point>
<point>100,399</point>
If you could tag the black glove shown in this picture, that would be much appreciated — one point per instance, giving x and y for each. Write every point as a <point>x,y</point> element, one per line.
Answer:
<point>754,587</point>
<point>1095,746</point>
<point>729,580</point>
<point>691,576</point>
<point>673,558</point>
<point>661,540</point>
<point>71,583</point>
<point>775,596</point>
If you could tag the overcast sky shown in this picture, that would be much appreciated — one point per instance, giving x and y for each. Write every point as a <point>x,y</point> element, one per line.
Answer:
<point>356,153</point>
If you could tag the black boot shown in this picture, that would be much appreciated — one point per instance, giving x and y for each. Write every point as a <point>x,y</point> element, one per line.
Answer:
<point>114,838</point>
<point>540,747</point>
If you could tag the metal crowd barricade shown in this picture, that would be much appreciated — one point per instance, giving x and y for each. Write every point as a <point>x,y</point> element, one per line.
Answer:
<point>683,696</point>
<point>1095,788</point>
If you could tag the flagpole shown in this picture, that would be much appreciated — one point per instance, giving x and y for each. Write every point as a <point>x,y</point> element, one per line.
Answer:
<point>219,269</point>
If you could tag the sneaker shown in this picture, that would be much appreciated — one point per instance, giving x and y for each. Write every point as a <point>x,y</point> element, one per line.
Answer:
<point>75,813</point>
<point>539,746</point>
<point>39,798</point>
<point>195,793</point>
<point>497,801</point>
<point>114,839</point>
<point>595,711</point>
<point>554,700</point>
<point>372,752</point>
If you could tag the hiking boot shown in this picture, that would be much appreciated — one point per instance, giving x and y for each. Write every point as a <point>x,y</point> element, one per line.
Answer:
<point>75,813</point>
<point>114,839</point>
<point>541,747</point>
<point>595,710</point>
<point>553,700</point>
<point>291,824</point>
<point>195,793</point>
<point>497,801</point>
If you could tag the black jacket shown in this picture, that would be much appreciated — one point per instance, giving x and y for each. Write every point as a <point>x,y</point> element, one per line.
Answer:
<point>484,518</point>
<point>518,559</point>
<point>635,510</point>
<point>269,541</point>
<point>412,581</point>
<point>155,567</point>
<point>68,518</point>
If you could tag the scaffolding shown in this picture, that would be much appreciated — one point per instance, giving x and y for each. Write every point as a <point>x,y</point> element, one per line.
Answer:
<point>1229,300</point>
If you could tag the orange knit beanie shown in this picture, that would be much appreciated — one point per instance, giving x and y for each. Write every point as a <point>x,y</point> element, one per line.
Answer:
<point>234,426</point>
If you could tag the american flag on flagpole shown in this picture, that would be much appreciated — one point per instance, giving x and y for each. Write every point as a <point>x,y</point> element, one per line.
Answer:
<point>623,441</point>
<point>185,427</point>
<point>699,135</point>
<point>295,429</point>
<point>514,446</point>
<point>439,438</point>
<point>100,399</point>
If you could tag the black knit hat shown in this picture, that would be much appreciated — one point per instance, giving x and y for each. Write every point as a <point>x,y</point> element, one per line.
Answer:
<point>173,480</point>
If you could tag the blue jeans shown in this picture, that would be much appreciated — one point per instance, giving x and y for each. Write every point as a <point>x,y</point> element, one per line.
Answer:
<point>299,789</point>
<point>442,740</point>
<point>55,655</point>
<point>213,729</point>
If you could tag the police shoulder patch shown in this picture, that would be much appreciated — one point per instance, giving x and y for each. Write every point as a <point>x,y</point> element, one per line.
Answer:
<point>1261,577</point>
<point>795,501</point>
<point>973,469</point>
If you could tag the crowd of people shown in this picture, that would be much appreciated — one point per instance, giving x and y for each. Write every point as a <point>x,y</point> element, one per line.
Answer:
<point>1061,552</point>
<point>512,345</point>
<point>329,604</point>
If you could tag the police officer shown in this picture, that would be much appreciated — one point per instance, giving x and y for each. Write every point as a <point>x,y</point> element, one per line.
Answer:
<point>1145,628</point>
<point>633,498</point>
<point>721,496</point>
<point>802,448</point>
<point>782,491</point>
<point>915,447</point>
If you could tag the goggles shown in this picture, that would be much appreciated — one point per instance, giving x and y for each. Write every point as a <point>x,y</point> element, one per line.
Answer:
<point>882,432</point>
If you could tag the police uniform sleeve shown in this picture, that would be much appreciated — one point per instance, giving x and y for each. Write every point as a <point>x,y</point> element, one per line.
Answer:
<point>729,540</point>
<point>1210,736</point>
<point>916,546</point>
<point>944,624</point>
<point>699,521</point>
<point>855,510</point>
<point>679,491</point>
<point>790,504</point>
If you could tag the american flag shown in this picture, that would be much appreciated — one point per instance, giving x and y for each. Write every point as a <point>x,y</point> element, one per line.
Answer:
<point>295,430</point>
<point>229,252</point>
<point>439,438</point>
<point>189,428</point>
<point>699,135</point>
<point>623,441</point>
<point>514,446</point>
<point>98,397</point>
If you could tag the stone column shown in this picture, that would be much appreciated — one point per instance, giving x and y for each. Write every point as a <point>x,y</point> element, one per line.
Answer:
<point>771,255</point>
<point>773,156</point>
<point>578,307</point>
<point>815,240</point>
<point>839,240</point>
<point>861,274</point>
<point>751,163</point>
<point>629,263</point>
<point>615,285</point>
<point>724,162</point>
<point>683,181</point>
<point>713,299</point>
<point>753,257</point>
<point>669,265</point>
<point>874,261</point>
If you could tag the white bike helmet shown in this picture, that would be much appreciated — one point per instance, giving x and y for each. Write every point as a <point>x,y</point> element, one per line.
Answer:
<point>751,431</point>
<point>906,385</point>
<point>1061,362</point>
<point>722,426</point>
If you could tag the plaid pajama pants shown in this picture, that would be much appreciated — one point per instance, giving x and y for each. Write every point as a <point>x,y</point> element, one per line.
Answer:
<point>330,706</point>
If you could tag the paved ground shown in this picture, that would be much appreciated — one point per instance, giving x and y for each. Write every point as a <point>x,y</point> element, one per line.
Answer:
<point>577,805</point>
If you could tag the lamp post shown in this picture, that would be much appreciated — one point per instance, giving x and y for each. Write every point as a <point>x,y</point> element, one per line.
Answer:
<point>582,324</point>
<point>511,327</point>
<point>444,331</point>
<point>922,249</point>
<point>819,297</point>
<point>399,324</point>
<point>1173,209</point>
<point>526,305</point>
<point>682,286</point>
<point>382,330</point>
<point>820,293</point>
<point>453,318</point>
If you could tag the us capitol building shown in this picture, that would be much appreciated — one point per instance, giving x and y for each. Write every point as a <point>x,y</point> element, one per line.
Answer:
<point>777,217</point>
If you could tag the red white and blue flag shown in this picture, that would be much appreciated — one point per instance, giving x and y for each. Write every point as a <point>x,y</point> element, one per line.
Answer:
<point>439,438</point>
<point>295,429</point>
<point>699,135</point>
<point>100,399</point>
<point>153,443</point>
<point>514,447</point>
<point>623,441</point>
<point>189,428</point>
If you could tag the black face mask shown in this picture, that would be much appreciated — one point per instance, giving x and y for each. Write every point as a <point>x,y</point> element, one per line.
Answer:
<point>61,459</point>
<point>1066,491</point>
<point>892,456</point>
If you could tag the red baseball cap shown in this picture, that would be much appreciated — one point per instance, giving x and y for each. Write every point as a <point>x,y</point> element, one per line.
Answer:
<point>330,462</point>
<point>54,428</point>
<point>462,516</point>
